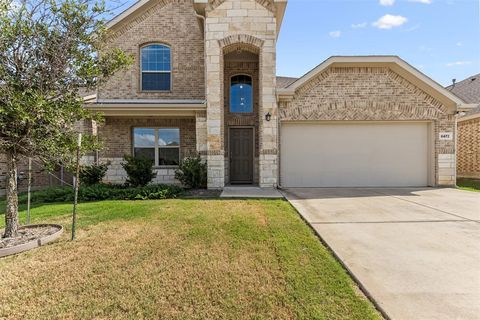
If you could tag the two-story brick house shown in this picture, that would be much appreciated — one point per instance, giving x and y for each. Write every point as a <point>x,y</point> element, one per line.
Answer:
<point>204,82</point>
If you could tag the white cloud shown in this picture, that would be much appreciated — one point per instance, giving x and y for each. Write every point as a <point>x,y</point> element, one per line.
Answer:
<point>421,1</point>
<point>359,25</point>
<point>389,21</point>
<point>335,34</point>
<point>458,63</point>
<point>387,2</point>
<point>459,44</point>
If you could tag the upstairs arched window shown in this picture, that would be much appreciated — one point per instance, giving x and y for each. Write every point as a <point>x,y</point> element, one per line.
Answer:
<point>241,94</point>
<point>156,67</point>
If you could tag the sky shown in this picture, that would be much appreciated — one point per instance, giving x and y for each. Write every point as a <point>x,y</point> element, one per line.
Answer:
<point>441,38</point>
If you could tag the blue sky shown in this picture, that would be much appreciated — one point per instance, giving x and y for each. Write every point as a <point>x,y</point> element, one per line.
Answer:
<point>439,37</point>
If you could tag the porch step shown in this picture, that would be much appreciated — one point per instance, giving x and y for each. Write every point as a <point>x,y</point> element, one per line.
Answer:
<point>250,192</point>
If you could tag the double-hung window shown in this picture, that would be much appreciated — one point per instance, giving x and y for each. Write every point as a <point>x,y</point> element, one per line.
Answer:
<point>156,67</point>
<point>161,145</point>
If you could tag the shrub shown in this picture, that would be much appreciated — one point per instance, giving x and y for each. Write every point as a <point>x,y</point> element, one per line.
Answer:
<point>192,173</point>
<point>99,192</point>
<point>93,174</point>
<point>139,171</point>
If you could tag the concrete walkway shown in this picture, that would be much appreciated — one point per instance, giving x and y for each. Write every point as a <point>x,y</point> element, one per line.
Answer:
<point>250,192</point>
<point>415,251</point>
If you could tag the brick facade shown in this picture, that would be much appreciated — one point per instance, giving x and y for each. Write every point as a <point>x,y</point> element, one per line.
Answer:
<point>374,94</point>
<point>117,136</point>
<point>207,52</point>
<point>170,22</point>
<point>468,154</point>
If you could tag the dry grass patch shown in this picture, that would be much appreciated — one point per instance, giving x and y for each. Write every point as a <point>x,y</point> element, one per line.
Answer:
<point>180,259</point>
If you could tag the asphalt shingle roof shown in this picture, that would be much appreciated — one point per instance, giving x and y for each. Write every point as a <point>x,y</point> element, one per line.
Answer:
<point>468,90</point>
<point>283,82</point>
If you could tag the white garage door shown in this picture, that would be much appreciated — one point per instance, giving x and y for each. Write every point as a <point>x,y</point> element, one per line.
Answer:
<point>354,155</point>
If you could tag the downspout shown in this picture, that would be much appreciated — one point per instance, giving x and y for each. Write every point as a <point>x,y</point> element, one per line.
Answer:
<point>199,16</point>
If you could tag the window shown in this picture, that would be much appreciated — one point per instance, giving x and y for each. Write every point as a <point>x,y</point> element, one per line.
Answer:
<point>169,147</point>
<point>144,143</point>
<point>156,68</point>
<point>241,94</point>
<point>161,145</point>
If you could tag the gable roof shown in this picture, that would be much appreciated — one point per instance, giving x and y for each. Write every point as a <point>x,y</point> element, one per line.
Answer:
<point>468,90</point>
<point>393,62</point>
<point>199,5</point>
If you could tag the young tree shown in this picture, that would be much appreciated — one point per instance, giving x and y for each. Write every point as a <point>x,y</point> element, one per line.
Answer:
<point>48,54</point>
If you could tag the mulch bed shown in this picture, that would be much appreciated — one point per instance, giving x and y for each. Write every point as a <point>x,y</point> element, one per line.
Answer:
<point>27,234</point>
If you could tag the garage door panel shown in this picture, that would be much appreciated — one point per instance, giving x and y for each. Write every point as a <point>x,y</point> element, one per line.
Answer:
<point>354,155</point>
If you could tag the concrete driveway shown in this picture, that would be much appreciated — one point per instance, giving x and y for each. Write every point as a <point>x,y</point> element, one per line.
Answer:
<point>415,251</point>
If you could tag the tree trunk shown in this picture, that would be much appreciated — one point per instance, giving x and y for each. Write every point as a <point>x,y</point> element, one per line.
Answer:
<point>11,214</point>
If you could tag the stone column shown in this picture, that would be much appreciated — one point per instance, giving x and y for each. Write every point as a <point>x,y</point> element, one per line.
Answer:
<point>215,149</point>
<point>201,133</point>
<point>268,161</point>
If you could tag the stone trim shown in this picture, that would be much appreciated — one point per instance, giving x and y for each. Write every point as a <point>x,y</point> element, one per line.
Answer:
<point>215,152</point>
<point>267,4</point>
<point>240,41</point>
<point>269,151</point>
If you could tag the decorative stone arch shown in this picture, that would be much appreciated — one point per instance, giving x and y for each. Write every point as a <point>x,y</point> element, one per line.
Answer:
<point>241,41</point>
<point>267,4</point>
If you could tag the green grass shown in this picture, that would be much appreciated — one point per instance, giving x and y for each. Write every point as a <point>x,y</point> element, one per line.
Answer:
<point>179,259</point>
<point>469,184</point>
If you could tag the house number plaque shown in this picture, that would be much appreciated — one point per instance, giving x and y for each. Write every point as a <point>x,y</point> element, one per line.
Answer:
<point>446,136</point>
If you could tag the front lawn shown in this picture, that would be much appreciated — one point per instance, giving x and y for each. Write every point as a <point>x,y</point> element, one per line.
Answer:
<point>469,184</point>
<point>179,259</point>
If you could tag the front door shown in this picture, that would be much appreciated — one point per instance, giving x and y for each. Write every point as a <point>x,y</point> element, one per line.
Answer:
<point>241,155</point>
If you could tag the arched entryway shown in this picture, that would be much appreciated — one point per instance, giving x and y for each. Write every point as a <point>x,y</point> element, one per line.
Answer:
<point>241,105</point>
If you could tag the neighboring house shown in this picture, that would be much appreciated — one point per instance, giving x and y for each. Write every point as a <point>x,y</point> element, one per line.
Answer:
<point>204,82</point>
<point>468,127</point>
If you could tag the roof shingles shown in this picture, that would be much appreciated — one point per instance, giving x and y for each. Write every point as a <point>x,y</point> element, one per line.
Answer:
<point>469,91</point>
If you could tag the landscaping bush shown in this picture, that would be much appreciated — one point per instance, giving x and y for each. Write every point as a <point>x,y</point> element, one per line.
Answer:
<point>93,174</point>
<point>192,173</point>
<point>99,192</point>
<point>139,171</point>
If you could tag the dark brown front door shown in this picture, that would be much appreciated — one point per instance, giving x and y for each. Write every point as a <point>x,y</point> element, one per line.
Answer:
<point>241,155</point>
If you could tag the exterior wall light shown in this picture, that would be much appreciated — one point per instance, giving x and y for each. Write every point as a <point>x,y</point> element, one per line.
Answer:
<point>268,116</point>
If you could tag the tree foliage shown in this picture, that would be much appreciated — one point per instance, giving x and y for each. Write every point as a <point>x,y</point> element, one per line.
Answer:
<point>49,56</point>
